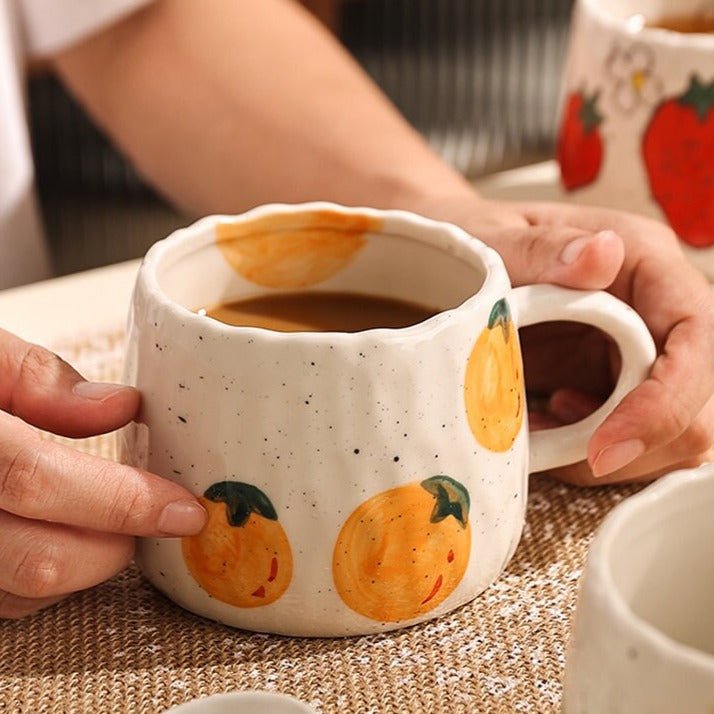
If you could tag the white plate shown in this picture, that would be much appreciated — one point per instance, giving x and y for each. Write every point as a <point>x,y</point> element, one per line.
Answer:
<point>244,703</point>
<point>538,182</point>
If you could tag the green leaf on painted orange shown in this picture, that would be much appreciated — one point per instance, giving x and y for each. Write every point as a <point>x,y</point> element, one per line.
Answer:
<point>241,500</point>
<point>500,316</point>
<point>451,499</point>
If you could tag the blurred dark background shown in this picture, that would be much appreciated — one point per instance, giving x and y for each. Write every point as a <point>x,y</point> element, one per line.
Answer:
<point>479,78</point>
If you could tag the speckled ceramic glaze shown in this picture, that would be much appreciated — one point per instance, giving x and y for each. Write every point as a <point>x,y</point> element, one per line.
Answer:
<point>643,638</point>
<point>355,483</point>
<point>637,124</point>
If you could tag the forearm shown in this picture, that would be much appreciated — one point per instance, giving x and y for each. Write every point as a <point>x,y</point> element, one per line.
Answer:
<point>248,103</point>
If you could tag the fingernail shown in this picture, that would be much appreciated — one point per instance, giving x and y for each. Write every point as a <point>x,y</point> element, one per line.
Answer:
<point>566,413</point>
<point>572,250</point>
<point>182,518</point>
<point>614,457</point>
<point>607,235</point>
<point>96,391</point>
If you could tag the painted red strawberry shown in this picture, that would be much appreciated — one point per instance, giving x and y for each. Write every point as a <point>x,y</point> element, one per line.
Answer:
<point>579,143</point>
<point>678,148</point>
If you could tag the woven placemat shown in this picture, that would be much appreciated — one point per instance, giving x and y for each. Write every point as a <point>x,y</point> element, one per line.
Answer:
<point>124,647</point>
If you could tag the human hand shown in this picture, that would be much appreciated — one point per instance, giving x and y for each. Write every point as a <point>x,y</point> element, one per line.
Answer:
<point>67,520</point>
<point>668,421</point>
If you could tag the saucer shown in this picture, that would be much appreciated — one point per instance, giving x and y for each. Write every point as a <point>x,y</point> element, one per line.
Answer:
<point>244,703</point>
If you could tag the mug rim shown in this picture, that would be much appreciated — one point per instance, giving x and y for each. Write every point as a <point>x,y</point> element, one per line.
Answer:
<point>656,35</point>
<point>599,563</point>
<point>488,259</point>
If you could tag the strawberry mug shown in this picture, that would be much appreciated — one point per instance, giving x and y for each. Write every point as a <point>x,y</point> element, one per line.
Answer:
<point>637,122</point>
<point>355,482</point>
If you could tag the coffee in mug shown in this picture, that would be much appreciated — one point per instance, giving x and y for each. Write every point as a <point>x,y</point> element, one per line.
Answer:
<point>310,311</point>
<point>701,22</point>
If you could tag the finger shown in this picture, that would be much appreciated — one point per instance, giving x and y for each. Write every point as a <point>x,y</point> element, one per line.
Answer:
<point>53,482</point>
<point>690,449</point>
<point>566,355</point>
<point>540,420</point>
<point>594,219</point>
<point>42,389</point>
<point>656,279</point>
<point>581,474</point>
<point>563,255</point>
<point>666,404</point>
<point>43,560</point>
<point>569,405</point>
<point>565,406</point>
<point>14,607</point>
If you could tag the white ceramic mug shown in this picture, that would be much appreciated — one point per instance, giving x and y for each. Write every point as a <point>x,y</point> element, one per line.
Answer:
<point>637,123</point>
<point>355,482</point>
<point>643,637</point>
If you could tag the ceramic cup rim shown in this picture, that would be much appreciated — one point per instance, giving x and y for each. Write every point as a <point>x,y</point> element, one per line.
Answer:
<point>477,254</point>
<point>650,35</point>
<point>599,563</point>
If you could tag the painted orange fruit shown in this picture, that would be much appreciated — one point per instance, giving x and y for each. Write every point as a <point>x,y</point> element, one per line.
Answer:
<point>242,556</point>
<point>404,551</point>
<point>293,250</point>
<point>493,386</point>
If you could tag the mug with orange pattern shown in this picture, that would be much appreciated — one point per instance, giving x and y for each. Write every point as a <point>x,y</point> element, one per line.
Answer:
<point>355,482</point>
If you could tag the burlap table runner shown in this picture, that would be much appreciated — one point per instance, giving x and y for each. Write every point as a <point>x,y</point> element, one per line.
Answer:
<point>123,647</point>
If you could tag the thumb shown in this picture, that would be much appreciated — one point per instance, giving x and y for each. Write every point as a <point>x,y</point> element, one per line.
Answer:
<point>562,255</point>
<point>43,390</point>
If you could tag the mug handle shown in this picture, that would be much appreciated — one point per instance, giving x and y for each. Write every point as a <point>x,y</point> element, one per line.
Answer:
<point>563,445</point>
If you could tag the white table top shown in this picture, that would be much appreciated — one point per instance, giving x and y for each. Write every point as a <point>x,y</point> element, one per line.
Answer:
<point>98,299</point>
<point>85,302</point>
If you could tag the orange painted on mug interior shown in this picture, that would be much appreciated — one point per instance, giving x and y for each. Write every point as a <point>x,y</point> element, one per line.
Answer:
<point>294,250</point>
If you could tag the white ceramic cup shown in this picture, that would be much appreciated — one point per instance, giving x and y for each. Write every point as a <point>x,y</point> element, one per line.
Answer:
<point>637,122</point>
<point>643,637</point>
<point>355,482</point>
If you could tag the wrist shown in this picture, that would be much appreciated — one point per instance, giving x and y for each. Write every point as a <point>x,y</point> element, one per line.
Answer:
<point>461,205</point>
<point>440,194</point>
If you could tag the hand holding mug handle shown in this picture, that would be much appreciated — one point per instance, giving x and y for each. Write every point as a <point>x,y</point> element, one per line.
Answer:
<point>531,304</point>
